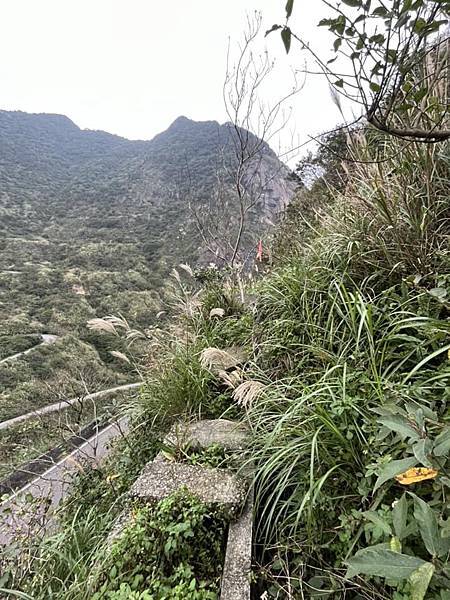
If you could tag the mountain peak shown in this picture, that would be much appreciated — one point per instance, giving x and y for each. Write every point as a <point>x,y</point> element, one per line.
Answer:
<point>181,121</point>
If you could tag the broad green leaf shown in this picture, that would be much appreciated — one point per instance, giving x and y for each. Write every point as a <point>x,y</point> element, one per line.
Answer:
<point>400,425</point>
<point>393,468</point>
<point>326,22</point>
<point>442,443</point>
<point>400,516</point>
<point>320,587</point>
<point>380,11</point>
<point>429,528</point>
<point>354,3</point>
<point>289,7</point>
<point>286,37</point>
<point>374,87</point>
<point>438,292</point>
<point>420,580</point>
<point>381,562</point>
<point>339,25</point>
<point>374,518</point>
<point>422,450</point>
<point>413,407</point>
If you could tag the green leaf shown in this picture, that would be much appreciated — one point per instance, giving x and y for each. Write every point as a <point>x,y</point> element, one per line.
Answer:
<point>289,7</point>
<point>326,22</point>
<point>438,292</point>
<point>286,37</point>
<point>374,87</point>
<point>380,11</point>
<point>420,580</point>
<point>391,55</point>
<point>374,518</point>
<point>361,41</point>
<point>339,83</point>
<point>422,450</point>
<point>406,6</point>
<point>339,25</point>
<point>418,97</point>
<point>354,3</point>
<point>400,516</point>
<point>395,544</point>
<point>381,562</point>
<point>419,25</point>
<point>337,44</point>
<point>378,39</point>
<point>429,528</point>
<point>273,28</point>
<point>425,360</point>
<point>400,425</point>
<point>319,587</point>
<point>393,468</point>
<point>442,443</point>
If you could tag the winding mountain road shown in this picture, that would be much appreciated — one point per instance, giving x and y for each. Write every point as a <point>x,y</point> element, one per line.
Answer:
<point>30,509</point>
<point>47,339</point>
<point>63,404</point>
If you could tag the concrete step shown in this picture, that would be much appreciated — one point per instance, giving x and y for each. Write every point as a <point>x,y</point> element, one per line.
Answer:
<point>228,434</point>
<point>160,479</point>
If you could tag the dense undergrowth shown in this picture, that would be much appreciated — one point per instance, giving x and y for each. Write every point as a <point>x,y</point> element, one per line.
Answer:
<point>341,372</point>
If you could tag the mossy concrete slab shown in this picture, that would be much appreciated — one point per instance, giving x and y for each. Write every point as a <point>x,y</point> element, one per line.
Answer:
<point>238,558</point>
<point>159,480</point>
<point>228,434</point>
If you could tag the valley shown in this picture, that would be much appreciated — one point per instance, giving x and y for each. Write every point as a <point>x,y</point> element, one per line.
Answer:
<point>91,225</point>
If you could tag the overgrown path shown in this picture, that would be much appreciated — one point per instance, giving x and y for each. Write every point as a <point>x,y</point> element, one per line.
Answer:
<point>47,339</point>
<point>63,404</point>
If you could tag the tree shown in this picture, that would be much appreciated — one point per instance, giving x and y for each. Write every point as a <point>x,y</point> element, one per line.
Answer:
<point>242,173</point>
<point>391,58</point>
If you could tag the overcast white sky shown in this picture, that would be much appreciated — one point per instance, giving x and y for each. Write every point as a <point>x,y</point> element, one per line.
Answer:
<point>131,67</point>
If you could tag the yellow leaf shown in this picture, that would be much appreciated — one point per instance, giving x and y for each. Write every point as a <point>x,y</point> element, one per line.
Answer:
<point>395,544</point>
<point>416,474</point>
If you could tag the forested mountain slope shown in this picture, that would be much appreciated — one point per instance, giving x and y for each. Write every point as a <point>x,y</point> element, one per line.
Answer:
<point>91,224</point>
<point>99,220</point>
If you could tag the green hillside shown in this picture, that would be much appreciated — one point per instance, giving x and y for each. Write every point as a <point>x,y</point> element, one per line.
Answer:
<point>91,224</point>
<point>92,212</point>
<point>289,437</point>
